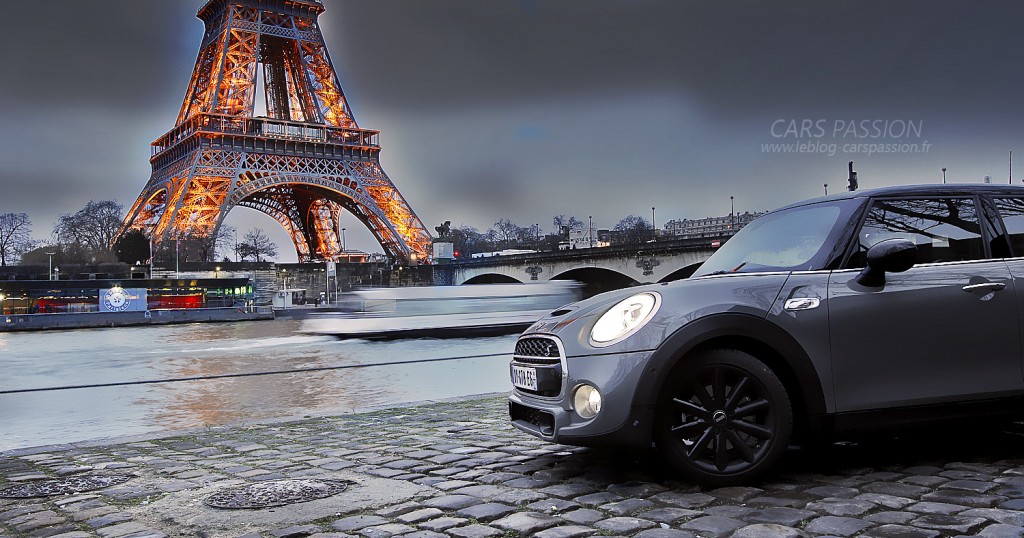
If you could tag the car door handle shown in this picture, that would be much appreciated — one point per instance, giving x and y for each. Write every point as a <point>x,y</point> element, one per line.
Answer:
<point>987,286</point>
<point>803,303</point>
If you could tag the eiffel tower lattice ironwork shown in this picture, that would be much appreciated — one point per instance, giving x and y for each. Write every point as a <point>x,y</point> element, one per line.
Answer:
<point>303,164</point>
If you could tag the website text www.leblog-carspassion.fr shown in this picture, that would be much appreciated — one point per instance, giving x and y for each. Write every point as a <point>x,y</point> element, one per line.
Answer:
<point>864,137</point>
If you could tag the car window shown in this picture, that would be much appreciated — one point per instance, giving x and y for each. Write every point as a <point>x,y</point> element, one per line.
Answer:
<point>790,239</point>
<point>1012,211</point>
<point>944,229</point>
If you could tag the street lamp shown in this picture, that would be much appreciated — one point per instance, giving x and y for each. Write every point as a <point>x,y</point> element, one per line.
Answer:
<point>943,176</point>
<point>654,228</point>
<point>56,273</point>
<point>732,214</point>
<point>216,272</point>
<point>50,274</point>
<point>826,189</point>
<point>590,234</point>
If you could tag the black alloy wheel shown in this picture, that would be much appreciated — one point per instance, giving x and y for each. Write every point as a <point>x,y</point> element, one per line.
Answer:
<point>724,418</point>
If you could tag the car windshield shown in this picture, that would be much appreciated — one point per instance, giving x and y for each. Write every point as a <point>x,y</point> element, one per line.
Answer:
<point>793,239</point>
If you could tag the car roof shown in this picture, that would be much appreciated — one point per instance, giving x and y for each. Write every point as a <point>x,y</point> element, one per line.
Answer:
<point>948,189</point>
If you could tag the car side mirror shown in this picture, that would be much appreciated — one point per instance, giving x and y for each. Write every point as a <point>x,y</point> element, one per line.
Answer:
<point>887,256</point>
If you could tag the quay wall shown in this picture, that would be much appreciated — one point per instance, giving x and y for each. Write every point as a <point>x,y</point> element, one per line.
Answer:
<point>86,320</point>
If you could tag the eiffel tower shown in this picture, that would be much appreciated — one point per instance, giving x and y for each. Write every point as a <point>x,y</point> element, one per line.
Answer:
<point>303,164</point>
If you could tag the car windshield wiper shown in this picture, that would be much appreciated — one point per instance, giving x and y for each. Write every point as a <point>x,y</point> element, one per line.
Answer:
<point>723,272</point>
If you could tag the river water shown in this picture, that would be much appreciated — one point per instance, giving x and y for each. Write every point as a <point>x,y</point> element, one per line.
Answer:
<point>130,354</point>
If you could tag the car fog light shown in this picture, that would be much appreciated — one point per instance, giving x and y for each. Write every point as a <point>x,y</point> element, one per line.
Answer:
<point>587,401</point>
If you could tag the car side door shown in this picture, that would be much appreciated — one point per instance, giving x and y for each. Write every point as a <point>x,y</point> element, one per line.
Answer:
<point>946,330</point>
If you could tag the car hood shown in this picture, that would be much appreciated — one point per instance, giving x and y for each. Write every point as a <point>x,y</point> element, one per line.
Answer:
<point>682,302</point>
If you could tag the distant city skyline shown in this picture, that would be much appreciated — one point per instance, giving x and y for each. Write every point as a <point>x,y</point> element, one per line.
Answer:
<point>525,110</point>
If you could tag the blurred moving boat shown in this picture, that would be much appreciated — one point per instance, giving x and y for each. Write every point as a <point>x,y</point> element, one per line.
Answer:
<point>442,311</point>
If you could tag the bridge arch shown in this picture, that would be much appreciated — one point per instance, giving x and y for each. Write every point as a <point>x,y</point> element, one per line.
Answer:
<point>492,278</point>
<point>309,208</point>
<point>597,280</point>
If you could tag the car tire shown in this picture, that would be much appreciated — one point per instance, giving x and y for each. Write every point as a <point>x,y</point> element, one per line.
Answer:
<point>723,418</point>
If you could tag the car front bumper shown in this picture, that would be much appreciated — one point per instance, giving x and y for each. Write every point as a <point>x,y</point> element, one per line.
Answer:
<point>548,412</point>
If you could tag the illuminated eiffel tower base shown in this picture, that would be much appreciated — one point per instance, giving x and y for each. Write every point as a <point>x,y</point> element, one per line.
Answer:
<point>303,164</point>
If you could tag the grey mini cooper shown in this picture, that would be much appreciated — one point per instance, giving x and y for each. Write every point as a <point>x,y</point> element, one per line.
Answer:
<point>859,311</point>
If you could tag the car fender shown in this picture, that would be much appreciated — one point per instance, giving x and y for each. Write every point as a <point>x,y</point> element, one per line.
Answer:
<point>731,325</point>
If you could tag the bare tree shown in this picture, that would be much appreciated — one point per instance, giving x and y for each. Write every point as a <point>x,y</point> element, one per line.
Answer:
<point>563,224</point>
<point>506,232</point>
<point>90,232</point>
<point>15,236</point>
<point>528,235</point>
<point>257,245</point>
<point>468,240</point>
<point>226,242</point>
<point>194,247</point>
<point>206,248</point>
<point>634,229</point>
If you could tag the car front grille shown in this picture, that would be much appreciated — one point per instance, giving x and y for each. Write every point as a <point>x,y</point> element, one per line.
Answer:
<point>536,347</point>
<point>543,354</point>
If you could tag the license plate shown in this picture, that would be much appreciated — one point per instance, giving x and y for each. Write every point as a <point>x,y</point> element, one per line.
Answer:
<point>524,378</point>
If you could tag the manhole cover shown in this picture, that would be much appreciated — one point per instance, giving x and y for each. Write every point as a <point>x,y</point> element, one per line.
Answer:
<point>277,493</point>
<point>63,486</point>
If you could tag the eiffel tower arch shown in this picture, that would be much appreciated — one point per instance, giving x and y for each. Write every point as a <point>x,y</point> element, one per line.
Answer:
<point>303,164</point>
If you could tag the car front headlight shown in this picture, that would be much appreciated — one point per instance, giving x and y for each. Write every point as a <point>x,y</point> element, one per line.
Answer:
<point>624,319</point>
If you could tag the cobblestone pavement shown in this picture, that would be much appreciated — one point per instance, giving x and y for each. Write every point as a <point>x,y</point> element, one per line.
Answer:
<point>459,470</point>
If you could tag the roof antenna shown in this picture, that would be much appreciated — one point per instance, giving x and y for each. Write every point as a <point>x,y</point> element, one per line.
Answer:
<point>852,179</point>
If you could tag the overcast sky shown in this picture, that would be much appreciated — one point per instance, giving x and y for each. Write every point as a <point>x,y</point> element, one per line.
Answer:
<point>527,109</point>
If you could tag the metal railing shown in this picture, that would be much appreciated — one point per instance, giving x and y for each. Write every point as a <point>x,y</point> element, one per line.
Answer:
<point>265,128</point>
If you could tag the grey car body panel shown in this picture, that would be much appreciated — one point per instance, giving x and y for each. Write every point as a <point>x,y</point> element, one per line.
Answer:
<point>809,354</point>
<point>884,337</point>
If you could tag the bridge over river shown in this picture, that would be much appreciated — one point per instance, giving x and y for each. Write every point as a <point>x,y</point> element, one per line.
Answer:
<point>600,269</point>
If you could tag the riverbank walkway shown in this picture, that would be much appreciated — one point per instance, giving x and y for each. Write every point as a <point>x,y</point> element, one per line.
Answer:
<point>458,469</point>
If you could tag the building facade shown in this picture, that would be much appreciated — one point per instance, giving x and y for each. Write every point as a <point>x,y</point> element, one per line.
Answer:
<point>709,227</point>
